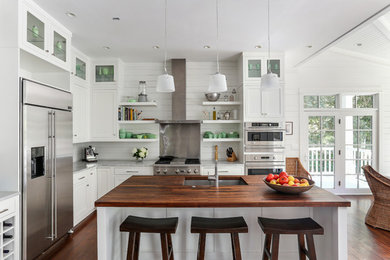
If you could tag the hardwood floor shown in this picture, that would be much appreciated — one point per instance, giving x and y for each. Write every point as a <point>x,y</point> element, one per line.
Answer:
<point>364,242</point>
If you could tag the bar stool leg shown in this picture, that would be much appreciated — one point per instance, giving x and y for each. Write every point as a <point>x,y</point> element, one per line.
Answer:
<point>201,246</point>
<point>310,247</point>
<point>130,247</point>
<point>275,247</point>
<point>170,247</point>
<point>164,246</point>
<point>136,245</point>
<point>236,246</point>
<point>267,246</point>
<point>301,247</point>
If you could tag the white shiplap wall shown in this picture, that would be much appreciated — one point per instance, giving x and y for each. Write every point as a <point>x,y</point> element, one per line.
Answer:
<point>333,72</point>
<point>197,83</point>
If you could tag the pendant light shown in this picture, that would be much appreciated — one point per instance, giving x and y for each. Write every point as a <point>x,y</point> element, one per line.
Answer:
<point>217,82</point>
<point>165,82</point>
<point>270,80</point>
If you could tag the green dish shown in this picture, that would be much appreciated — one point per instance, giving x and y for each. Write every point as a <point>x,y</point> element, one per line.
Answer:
<point>128,134</point>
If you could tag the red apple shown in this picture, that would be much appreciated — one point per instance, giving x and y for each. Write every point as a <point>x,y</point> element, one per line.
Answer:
<point>270,177</point>
<point>283,174</point>
<point>283,180</point>
<point>276,176</point>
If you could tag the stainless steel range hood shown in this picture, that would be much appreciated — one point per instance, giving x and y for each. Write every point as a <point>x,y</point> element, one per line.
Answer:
<point>179,96</point>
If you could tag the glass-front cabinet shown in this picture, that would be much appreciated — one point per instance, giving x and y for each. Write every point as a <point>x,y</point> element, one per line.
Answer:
<point>43,36</point>
<point>256,64</point>
<point>104,73</point>
<point>81,69</point>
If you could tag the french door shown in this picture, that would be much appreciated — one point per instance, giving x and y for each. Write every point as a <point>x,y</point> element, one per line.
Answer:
<point>336,144</point>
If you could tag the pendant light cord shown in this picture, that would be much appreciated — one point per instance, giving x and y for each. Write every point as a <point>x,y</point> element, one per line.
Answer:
<point>217,15</point>
<point>165,38</point>
<point>269,41</point>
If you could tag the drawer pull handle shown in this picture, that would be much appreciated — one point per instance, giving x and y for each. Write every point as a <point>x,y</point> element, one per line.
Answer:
<point>132,171</point>
<point>4,210</point>
<point>223,171</point>
<point>81,178</point>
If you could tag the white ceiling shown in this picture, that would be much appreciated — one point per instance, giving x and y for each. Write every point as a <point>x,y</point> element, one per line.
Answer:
<point>373,38</point>
<point>191,25</point>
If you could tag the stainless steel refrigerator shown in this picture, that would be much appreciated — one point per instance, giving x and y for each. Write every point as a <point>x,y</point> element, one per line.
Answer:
<point>47,179</point>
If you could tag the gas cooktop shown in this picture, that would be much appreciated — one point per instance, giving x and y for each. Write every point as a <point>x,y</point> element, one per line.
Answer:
<point>169,165</point>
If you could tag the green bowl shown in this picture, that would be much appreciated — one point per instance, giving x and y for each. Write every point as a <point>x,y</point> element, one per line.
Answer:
<point>140,136</point>
<point>129,134</point>
<point>122,135</point>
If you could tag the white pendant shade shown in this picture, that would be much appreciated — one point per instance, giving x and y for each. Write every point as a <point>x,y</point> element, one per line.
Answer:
<point>270,81</point>
<point>217,83</point>
<point>165,83</point>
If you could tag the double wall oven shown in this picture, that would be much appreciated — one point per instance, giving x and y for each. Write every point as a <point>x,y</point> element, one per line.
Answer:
<point>264,148</point>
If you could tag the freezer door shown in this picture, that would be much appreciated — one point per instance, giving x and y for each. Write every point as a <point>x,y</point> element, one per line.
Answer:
<point>37,181</point>
<point>63,172</point>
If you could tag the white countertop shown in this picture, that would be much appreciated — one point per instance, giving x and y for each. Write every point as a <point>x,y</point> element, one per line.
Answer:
<point>82,165</point>
<point>7,194</point>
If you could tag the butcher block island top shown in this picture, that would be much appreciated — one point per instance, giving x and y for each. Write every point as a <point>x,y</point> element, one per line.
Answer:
<point>170,192</point>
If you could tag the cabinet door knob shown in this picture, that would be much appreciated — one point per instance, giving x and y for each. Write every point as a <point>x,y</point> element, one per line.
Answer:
<point>46,50</point>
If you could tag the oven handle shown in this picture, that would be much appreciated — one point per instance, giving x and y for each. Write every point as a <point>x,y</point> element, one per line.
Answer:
<point>264,165</point>
<point>265,130</point>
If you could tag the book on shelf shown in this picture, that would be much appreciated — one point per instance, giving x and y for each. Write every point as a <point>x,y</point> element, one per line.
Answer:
<point>128,114</point>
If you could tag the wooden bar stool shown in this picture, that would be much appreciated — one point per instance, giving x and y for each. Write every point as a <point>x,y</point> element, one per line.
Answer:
<point>301,227</point>
<point>135,225</point>
<point>219,225</point>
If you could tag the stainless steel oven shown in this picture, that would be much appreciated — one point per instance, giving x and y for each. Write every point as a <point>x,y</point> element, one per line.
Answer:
<point>264,163</point>
<point>263,134</point>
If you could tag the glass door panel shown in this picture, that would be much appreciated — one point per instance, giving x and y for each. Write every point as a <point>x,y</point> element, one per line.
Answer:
<point>35,31</point>
<point>59,46</point>
<point>358,150</point>
<point>274,65</point>
<point>254,69</point>
<point>80,69</point>
<point>321,159</point>
<point>104,73</point>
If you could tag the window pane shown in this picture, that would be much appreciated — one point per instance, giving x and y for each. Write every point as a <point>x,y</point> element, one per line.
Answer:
<point>328,138</point>
<point>328,122</point>
<point>317,180</point>
<point>351,137</point>
<point>365,137</point>
<point>365,122</point>
<point>314,123</point>
<point>350,181</point>
<point>351,167</point>
<point>327,101</point>
<point>350,152</point>
<point>315,138</point>
<point>365,101</point>
<point>328,182</point>
<point>310,101</point>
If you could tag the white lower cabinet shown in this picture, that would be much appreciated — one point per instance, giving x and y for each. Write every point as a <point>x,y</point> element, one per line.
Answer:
<point>84,193</point>
<point>105,180</point>
<point>9,228</point>
<point>223,169</point>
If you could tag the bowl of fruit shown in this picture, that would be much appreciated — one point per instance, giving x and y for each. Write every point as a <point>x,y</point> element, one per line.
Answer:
<point>287,183</point>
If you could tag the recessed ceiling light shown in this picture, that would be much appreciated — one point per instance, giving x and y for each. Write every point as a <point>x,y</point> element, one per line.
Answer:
<point>257,46</point>
<point>116,18</point>
<point>70,14</point>
<point>106,47</point>
<point>206,47</point>
<point>309,46</point>
<point>156,47</point>
<point>359,44</point>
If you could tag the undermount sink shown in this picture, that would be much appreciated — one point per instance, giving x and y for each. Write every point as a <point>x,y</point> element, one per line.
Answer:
<point>194,182</point>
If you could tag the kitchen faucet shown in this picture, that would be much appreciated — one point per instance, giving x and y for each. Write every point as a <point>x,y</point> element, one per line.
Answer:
<point>215,177</point>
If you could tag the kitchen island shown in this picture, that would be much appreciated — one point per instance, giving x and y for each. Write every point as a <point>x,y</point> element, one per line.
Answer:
<point>167,196</point>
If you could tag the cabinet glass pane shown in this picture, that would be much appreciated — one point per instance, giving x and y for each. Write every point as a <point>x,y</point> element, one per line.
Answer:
<point>35,31</point>
<point>59,46</point>
<point>254,68</point>
<point>80,68</point>
<point>275,66</point>
<point>104,73</point>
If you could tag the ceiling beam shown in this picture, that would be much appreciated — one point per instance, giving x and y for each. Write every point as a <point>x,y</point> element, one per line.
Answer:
<point>383,26</point>
<point>362,56</point>
<point>341,37</point>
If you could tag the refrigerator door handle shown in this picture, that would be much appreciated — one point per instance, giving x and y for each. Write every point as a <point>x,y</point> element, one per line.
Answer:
<point>54,173</point>
<point>51,170</point>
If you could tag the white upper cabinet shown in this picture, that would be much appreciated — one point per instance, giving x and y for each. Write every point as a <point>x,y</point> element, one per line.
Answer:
<point>260,104</point>
<point>80,68</point>
<point>104,115</point>
<point>43,36</point>
<point>256,64</point>
<point>80,113</point>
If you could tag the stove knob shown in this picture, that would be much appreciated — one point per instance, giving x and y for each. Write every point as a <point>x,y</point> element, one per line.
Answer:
<point>196,171</point>
<point>255,157</point>
<point>177,171</point>
<point>165,171</point>
<point>158,171</point>
<point>189,170</point>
